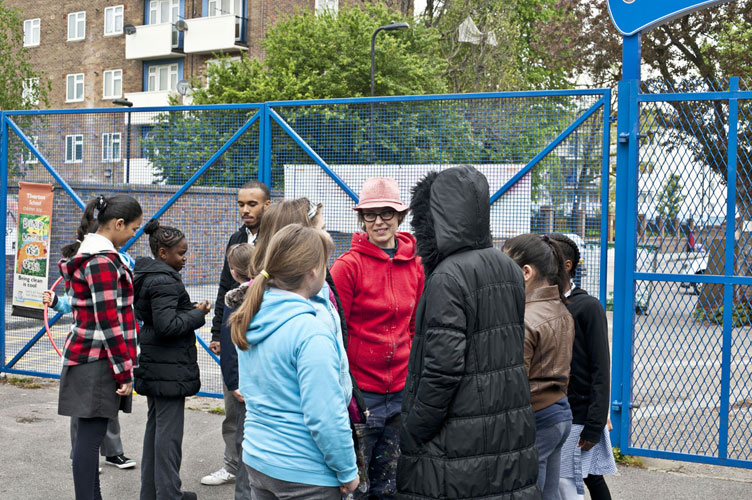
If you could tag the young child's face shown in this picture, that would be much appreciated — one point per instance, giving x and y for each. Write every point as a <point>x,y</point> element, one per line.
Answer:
<point>175,257</point>
<point>123,232</point>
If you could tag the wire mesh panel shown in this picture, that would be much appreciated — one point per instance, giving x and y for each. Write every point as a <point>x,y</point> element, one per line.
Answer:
<point>150,155</point>
<point>500,136</point>
<point>542,152</point>
<point>689,390</point>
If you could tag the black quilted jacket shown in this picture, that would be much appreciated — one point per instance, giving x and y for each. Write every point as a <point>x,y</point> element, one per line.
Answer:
<point>167,362</point>
<point>468,430</point>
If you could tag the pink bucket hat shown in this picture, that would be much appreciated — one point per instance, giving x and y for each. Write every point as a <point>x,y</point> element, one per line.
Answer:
<point>380,192</point>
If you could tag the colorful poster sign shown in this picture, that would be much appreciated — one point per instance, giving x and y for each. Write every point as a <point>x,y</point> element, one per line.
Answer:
<point>31,268</point>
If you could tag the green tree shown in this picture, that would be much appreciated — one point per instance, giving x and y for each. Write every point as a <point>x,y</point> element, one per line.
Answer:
<point>16,70</point>
<point>670,199</point>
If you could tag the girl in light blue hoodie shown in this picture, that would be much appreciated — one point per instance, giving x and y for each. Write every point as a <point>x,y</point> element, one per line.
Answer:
<point>297,440</point>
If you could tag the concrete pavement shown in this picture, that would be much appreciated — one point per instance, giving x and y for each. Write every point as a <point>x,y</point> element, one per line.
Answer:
<point>34,463</point>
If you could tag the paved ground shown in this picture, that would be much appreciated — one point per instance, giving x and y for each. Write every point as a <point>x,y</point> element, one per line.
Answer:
<point>34,464</point>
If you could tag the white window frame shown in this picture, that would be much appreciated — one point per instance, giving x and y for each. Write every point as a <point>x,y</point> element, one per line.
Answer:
<point>30,157</point>
<point>117,15</point>
<point>76,80</point>
<point>32,27</point>
<point>109,139</point>
<point>153,79</point>
<point>116,76</point>
<point>72,142</point>
<point>78,21</point>
<point>30,92</point>
<point>323,5</point>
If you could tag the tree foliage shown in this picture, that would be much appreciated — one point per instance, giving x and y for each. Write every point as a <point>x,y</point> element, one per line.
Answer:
<point>15,65</point>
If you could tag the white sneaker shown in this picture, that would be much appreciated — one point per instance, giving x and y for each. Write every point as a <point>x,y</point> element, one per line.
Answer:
<point>222,476</point>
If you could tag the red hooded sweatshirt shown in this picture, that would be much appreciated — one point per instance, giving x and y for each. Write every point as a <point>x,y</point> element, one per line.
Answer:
<point>379,297</point>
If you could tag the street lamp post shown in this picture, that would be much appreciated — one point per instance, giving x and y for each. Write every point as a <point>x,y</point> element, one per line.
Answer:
<point>128,104</point>
<point>389,27</point>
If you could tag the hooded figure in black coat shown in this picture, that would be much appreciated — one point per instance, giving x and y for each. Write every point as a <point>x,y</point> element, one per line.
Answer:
<point>468,430</point>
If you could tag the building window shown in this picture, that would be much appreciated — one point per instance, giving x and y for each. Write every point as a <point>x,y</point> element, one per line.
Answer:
<point>113,20</point>
<point>324,5</point>
<point>162,77</point>
<point>232,8</point>
<point>74,148</point>
<point>30,157</point>
<point>112,84</point>
<point>31,32</point>
<point>111,147</point>
<point>74,88</point>
<point>30,93</point>
<point>76,26</point>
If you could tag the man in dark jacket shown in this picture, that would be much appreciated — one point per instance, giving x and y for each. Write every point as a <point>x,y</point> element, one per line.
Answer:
<point>468,429</point>
<point>253,198</point>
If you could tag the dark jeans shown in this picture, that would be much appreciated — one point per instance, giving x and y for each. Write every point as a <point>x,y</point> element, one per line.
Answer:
<point>597,487</point>
<point>549,441</point>
<point>111,444</point>
<point>163,442</point>
<point>89,437</point>
<point>264,487</point>
<point>378,446</point>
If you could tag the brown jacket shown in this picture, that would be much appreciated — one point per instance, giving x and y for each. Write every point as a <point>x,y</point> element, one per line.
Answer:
<point>549,335</point>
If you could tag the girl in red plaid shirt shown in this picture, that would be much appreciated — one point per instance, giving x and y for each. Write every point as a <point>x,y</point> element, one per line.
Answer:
<point>100,351</point>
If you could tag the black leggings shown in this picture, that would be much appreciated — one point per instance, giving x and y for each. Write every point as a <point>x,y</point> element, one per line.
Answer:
<point>91,432</point>
<point>597,487</point>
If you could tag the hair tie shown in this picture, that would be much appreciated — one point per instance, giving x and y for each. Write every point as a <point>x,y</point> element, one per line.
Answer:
<point>545,238</point>
<point>264,273</point>
<point>79,241</point>
<point>101,203</point>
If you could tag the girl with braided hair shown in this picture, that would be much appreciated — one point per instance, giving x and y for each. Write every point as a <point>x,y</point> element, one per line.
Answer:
<point>168,370</point>
<point>586,455</point>
<point>549,333</point>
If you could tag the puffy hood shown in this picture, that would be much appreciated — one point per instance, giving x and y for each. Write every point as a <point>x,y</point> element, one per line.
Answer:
<point>93,244</point>
<point>278,307</point>
<point>405,247</point>
<point>451,212</point>
<point>235,297</point>
<point>146,266</point>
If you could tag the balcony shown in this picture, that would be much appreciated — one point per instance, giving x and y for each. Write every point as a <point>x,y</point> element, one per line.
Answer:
<point>153,41</point>
<point>147,99</point>
<point>207,35</point>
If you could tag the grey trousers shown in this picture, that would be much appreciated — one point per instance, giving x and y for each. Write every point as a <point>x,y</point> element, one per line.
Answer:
<point>264,487</point>
<point>229,431</point>
<point>163,441</point>
<point>242,486</point>
<point>111,445</point>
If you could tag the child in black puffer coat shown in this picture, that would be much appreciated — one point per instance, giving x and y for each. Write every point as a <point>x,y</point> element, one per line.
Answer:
<point>168,369</point>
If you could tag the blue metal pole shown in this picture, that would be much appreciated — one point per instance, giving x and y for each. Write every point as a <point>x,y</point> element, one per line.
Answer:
<point>3,229</point>
<point>729,271</point>
<point>631,57</point>
<point>622,298</point>
<point>267,167</point>
<point>605,164</point>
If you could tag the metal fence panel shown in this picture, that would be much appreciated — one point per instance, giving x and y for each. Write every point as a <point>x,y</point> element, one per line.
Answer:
<point>544,153</point>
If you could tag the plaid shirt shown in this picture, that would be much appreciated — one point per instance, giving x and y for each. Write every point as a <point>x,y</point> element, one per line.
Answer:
<point>104,324</point>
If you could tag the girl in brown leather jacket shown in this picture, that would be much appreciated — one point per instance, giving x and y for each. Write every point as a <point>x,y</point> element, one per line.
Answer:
<point>549,334</point>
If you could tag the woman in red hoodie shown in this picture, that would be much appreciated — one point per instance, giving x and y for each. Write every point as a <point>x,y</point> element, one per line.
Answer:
<point>379,281</point>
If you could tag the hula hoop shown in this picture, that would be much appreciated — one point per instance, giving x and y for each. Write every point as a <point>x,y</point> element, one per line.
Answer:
<point>47,320</point>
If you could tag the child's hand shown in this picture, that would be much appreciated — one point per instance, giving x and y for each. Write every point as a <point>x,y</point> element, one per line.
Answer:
<point>349,487</point>
<point>125,389</point>
<point>47,297</point>
<point>204,306</point>
<point>238,396</point>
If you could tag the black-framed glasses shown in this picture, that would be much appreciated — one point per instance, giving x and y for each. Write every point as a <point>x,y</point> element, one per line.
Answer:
<point>385,215</point>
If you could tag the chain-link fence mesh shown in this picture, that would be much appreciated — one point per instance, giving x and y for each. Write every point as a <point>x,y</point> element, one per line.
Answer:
<point>151,155</point>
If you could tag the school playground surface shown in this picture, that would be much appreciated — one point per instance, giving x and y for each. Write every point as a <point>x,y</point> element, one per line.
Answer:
<point>34,464</point>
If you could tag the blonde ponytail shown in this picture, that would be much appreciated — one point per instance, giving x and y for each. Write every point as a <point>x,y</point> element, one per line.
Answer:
<point>293,251</point>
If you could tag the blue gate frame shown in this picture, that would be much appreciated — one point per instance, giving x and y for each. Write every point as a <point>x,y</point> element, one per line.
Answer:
<point>266,114</point>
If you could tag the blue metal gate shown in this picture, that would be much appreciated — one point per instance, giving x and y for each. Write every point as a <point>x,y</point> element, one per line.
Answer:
<point>546,155</point>
<point>682,311</point>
